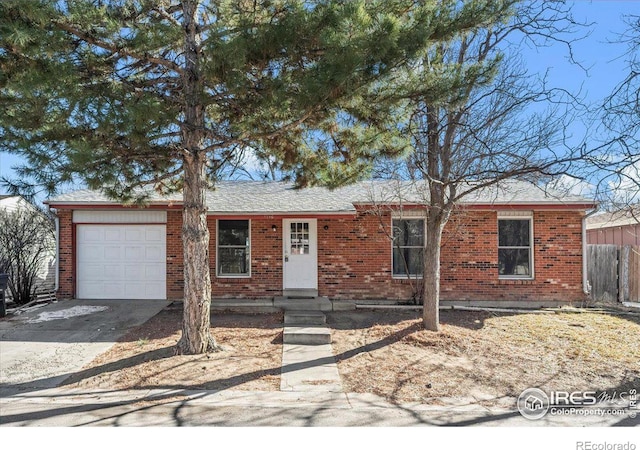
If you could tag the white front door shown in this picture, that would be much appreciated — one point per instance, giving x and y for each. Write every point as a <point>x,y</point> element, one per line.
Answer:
<point>300,238</point>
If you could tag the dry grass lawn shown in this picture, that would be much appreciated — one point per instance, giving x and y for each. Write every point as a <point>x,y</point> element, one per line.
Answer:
<point>145,357</point>
<point>486,357</point>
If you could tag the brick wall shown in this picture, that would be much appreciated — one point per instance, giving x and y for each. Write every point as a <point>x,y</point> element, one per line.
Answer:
<point>469,269</point>
<point>175,256</point>
<point>66,257</point>
<point>354,259</point>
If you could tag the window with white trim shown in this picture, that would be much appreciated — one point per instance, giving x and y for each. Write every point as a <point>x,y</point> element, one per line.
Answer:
<point>515,247</point>
<point>233,248</point>
<point>408,247</point>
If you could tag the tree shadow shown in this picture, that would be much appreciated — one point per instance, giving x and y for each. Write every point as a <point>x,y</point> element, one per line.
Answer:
<point>363,318</point>
<point>169,322</point>
<point>238,379</point>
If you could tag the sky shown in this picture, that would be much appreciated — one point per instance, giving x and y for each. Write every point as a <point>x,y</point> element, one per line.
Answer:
<point>603,59</point>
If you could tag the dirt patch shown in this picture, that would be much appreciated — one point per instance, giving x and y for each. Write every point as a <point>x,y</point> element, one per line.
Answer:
<point>145,357</point>
<point>484,355</point>
<point>487,357</point>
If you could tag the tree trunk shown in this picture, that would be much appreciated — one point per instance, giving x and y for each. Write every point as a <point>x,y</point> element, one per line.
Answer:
<point>431,278</point>
<point>196,321</point>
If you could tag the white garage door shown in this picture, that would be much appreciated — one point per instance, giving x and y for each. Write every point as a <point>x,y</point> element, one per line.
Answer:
<point>121,261</point>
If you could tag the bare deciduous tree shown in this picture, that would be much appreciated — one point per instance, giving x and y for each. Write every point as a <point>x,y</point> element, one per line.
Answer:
<point>27,241</point>
<point>498,123</point>
<point>617,161</point>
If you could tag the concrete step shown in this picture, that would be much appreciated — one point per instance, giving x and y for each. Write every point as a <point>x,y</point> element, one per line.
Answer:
<point>307,335</point>
<point>303,304</point>
<point>300,293</point>
<point>304,318</point>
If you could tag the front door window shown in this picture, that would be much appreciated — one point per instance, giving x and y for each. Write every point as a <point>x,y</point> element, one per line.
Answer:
<point>299,238</point>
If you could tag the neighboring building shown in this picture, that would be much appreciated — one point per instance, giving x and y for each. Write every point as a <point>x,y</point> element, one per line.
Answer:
<point>13,202</point>
<point>513,243</point>
<point>46,276</point>
<point>620,227</point>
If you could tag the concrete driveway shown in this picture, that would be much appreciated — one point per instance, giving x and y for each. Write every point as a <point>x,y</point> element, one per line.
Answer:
<point>40,348</point>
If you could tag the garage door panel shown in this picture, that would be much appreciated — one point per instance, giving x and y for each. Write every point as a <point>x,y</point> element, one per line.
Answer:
<point>154,235</point>
<point>153,253</point>
<point>135,290</point>
<point>121,261</point>
<point>101,290</point>
<point>93,253</point>
<point>112,290</point>
<point>112,271</point>
<point>112,253</point>
<point>155,290</point>
<point>92,289</point>
<point>112,234</point>
<point>92,235</point>
<point>134,253</point>
<point>133,272</point>
<point>154,272</point>
<point>93,272</point>
<point>134,234</point>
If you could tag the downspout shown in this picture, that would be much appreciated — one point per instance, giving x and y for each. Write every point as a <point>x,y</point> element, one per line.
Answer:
<point>585,276</point>
<point>57,282</point>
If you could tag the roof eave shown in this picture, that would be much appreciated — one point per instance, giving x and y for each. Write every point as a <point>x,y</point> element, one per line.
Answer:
<point>281,213</point>
<point>101,204</point>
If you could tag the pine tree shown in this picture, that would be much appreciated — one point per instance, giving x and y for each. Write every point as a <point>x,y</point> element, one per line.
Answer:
<point>126,94</point>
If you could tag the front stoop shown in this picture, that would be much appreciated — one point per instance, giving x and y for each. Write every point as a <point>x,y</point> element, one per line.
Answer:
<point>303,304</point>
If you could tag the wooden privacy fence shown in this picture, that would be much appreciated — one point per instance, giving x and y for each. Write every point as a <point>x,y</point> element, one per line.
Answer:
<point>629,285</point>
<point>614,272</point>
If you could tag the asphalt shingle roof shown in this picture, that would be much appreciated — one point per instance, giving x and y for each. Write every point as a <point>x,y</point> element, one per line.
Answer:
<point>280,197</point>
<point>619,218</point>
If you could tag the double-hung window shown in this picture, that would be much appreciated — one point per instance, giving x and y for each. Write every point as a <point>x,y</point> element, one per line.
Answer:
<point>515,247</point>
<point>408,247</point>
<point>233,248</point>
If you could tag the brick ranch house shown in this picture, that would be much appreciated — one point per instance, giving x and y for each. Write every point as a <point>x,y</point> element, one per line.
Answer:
<point>509,244</point>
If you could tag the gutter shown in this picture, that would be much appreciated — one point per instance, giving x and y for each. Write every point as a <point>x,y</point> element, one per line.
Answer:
<point>585,276</point>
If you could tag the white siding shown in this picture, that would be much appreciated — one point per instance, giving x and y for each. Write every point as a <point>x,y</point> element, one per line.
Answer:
<point>82,216</point>
<point>14,203</point>
<point>45,278</point>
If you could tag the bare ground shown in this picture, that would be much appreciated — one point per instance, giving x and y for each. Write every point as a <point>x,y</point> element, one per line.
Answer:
<point>479,355</point>
<point>486,356</point>
<point>146,358</point>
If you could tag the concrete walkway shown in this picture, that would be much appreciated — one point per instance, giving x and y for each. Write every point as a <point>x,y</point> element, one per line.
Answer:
<point>309,368</point>
<point>308,364</point>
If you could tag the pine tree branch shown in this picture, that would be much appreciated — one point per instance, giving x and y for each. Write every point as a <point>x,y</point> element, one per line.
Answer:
<point>115,49</point>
